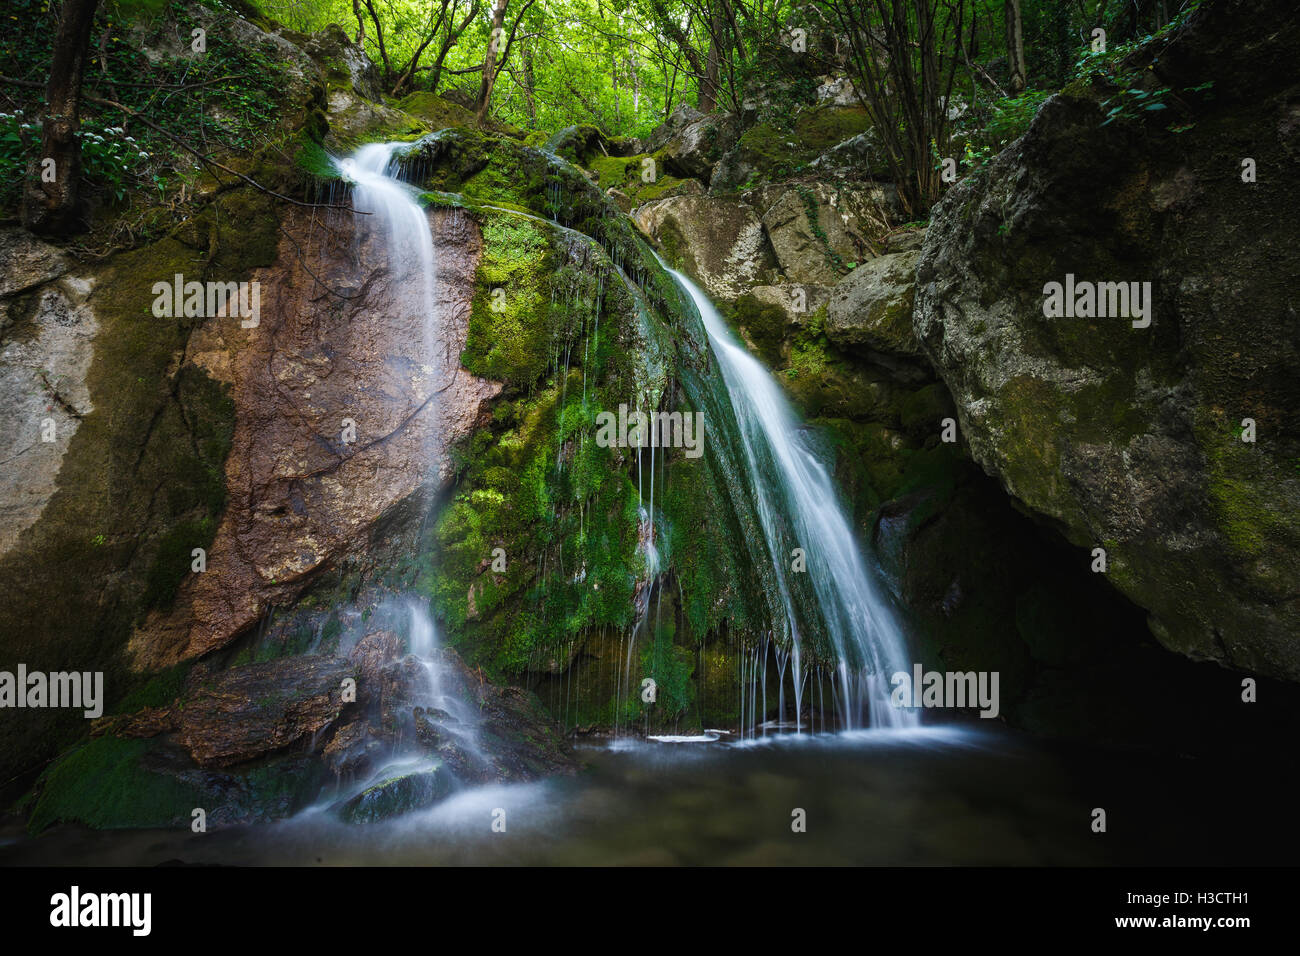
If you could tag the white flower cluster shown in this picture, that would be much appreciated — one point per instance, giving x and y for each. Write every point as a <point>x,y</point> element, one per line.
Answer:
<point>111,133</point>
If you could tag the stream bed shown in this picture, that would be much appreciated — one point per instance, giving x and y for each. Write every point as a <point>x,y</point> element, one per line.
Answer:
<point>950,795</point>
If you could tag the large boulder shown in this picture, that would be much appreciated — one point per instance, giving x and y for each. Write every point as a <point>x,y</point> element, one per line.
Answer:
<point>695,149</point>
<point>817,231</point>
<point>251,711</point>
<point>718,242</point>
<point>1127,436</point>
<point>871,309</point>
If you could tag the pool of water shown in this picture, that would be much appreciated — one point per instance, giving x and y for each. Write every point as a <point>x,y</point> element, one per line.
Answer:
<point>929,796</point>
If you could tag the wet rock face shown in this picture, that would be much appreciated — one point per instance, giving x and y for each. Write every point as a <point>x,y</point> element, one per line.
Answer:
<point>397,795</point>
<point>1130,439</point>
<point>246,712</point>
<point>345,407</point>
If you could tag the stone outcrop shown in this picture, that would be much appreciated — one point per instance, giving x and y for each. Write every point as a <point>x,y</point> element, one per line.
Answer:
<point>719,242</point>
<point>806,233</point>
<point>1130,438</point>
<point>871,310</point>
<point>44,364</point>
<point>240,714</point>
<point>301,498</point>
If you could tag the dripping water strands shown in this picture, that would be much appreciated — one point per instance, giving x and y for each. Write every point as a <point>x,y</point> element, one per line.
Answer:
<point>396,213</point>
<point>797,506</point>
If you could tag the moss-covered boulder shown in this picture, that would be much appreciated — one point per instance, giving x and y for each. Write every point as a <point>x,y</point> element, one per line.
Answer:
<point>771,152</point>
<point>871,309</point>
<point>693,150</point>
<point>397,795</point>
<point>1167,438</point>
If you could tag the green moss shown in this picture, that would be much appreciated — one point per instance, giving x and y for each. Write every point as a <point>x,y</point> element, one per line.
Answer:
<point>102,784</point>
<point>763,323</point>
<point>436,111</point>
<point>158,691</point>
<point>627,174</point>
<point>922,412</point>
<point>772,152</point>
<point>1239,474</point>
<point>511,328</point>
<point>614,171</point>
<point>1031,429</point>
<point>819,129</point>
<point>313,161</point>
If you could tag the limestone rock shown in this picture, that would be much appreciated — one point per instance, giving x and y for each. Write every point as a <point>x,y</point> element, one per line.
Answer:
<point>718,242</point>
<point>1130,438</point>
<point>697,147</point>
<point>45,358</point>
<point>871,309</point>
<point>816,230</point>
<point>26,262</point>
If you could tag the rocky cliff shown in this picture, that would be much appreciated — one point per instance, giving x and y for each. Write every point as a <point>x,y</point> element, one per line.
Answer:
<point>1174,445</point>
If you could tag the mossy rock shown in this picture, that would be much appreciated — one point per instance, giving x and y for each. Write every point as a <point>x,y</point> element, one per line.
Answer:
<point>395,796</point>
<point>102,783</point>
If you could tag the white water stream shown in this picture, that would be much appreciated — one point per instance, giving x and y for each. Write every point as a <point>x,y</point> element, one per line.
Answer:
<point>793,490</point>
<point>794,493</point>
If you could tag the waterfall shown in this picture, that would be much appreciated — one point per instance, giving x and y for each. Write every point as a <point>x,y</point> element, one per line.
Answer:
<point>798,507</point>
<point>394,218</point>
<point>834,612</point>
<point>392,206</point>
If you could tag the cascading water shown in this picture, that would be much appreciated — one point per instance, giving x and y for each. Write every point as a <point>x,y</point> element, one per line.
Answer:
<point>794,495</point>
<point>392,205</point>
<point>794,491</point>
<point>401,229</point>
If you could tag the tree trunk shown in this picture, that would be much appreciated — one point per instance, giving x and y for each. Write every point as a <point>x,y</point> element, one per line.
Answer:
<point>54,207</point>
<point>1015,47</point>
<point>490,60</point>
<point>529,84</point>
<point>707,101</point>
<point>361,23</point>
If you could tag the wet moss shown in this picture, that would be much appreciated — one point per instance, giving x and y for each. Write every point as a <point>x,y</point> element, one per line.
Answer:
<point>511,329</point>
<point>102,784</point>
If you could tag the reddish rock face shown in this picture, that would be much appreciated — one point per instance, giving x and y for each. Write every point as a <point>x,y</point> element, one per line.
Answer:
<point>251,711</point>
<point>342,340</point>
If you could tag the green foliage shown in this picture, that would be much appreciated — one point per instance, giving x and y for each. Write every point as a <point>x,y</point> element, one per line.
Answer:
<point>226,97</point>
<point>1012,116</point>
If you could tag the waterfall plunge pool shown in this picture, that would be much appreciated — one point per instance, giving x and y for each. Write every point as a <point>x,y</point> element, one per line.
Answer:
<point>940,795</point>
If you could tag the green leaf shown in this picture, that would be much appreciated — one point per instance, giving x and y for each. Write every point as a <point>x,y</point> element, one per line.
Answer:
<point>1155,106</point>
